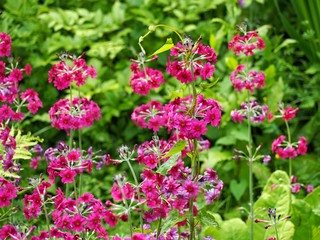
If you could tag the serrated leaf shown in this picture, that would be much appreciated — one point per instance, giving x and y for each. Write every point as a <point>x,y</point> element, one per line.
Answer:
<point>7,174</point>
<point>173,218</point>
<point>167,46</point>
<point>165,167</point>
<point>206,218</point>
<point>178,147</point>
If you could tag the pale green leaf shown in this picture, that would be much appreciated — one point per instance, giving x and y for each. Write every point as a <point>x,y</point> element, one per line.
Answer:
<point>166,166</point>
<point>178,147</point>
<point>167,46</point>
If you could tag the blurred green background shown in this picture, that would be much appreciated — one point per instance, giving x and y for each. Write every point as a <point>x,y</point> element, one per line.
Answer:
<point>108,31</point>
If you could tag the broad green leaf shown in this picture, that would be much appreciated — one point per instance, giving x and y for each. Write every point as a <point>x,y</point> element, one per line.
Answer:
<point>234,229</point>
<point>178,147</point>
<point>165,167</point>
<point>276,194</point>
<point>216,155</point>
<point>167,46</point>
<point>313,199</point>
<point>304,219</point>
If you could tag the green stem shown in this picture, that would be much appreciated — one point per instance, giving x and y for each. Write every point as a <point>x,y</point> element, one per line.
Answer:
<point>289,140</point>
<point>80,147</point>
<point>250,169</point>
<point>276,230</point>
<point>138,192</point>
<point>128,210</point>
<point>158,228</point>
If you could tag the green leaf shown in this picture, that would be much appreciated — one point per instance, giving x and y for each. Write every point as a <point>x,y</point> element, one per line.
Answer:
<point>173,218</point>
<point>167,46</point>
<point>234,229</point>
<point>7,174</point>
<point>275,95</point>
<point>285,43</point>
<point>276,194</point>
<point>216,155</point>
<point>231,62</point>
<point>165,167</point>
<point>238,189</point>
<point>304,219</point>
<point>206,218</point>
<point>313,199</point>
<point>178,147</point>
<point>226,140</point>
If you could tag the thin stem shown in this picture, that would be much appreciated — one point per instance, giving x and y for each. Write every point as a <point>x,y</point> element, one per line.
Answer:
<point>276,230</point>
<point>250,168</point>
<point>129,211</point>
<point>158,228</point>
<point>138,192</point>
<point>289,140</point>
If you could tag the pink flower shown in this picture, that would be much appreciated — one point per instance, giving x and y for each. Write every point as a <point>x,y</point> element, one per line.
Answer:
<point>296,188</point>
<point>5,45</point>
<point>78,222</point>
<point>302,146</point>
<point>289,113</point>
<point>67,175</point>
<point>111,219</point>
<point>277,142</point>
<point>34,162</point>
<point>28,69</point>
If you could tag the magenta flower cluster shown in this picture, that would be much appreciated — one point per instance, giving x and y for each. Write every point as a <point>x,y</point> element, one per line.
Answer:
<point>177,116</point>
<point>68,163</point>
<point>246,43</point>
<point>5,45</point>
<point>249,80</point>
<point>256,112</point>
<point>191,62</point>
<point>7,192</point>
<point>76,115</point>
<point>285,149</point>
<point>62,75</point>
<point>143,80</point>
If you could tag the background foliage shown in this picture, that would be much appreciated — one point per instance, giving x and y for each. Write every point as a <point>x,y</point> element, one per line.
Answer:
<point>108,31</point>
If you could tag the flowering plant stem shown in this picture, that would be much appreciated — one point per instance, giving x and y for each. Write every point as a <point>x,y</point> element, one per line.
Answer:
<point>138,191</point>
<point>250,158</point>
<point>289,140</point>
